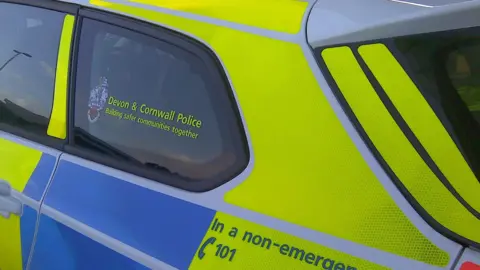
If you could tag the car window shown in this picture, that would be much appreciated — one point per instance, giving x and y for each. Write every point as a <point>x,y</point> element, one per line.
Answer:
<point>446,66</point>
<point>156,103</point>
<point>463,67</point>
<point>29,41</point>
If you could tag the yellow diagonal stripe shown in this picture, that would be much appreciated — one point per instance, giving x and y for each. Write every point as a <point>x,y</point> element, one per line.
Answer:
<point>422,120</point>
<point>58,119</point>
<point>395,148</point>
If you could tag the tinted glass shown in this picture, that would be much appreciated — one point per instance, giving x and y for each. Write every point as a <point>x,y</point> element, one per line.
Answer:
<point>29,40</point>
<point>152,103</point>
<point>463,67</point>
<point>446,66</point>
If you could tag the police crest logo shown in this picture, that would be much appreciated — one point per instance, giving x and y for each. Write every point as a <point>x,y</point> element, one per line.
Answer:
<point>98,98</point>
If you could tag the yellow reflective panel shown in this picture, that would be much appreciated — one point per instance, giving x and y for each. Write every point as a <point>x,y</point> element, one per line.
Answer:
<point>422,120</point>
<point>234,243</point>
<point>277,15</point>
<point>58,119</point>
<point>307,170</point>
<point>395,148</point>
<point>10,243</point>
<point>17,163</point>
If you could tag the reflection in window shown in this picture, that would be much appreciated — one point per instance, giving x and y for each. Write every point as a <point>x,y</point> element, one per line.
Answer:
<point>463,66</point>
<point>152,102</point>
<point>28,53</point>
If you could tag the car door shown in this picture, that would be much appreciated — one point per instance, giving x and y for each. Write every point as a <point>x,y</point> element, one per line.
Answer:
<point>34,57</point>
<point>151,111</point>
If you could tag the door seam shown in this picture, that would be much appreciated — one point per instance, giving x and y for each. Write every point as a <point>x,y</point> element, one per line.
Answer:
<point>39,212</point>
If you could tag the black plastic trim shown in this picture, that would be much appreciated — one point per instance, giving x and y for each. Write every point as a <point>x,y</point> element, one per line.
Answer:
<point>40,139</point>
<point>72,78</point>
<point>47,4</point>
<point>236,130</point>
<point>398,183</point>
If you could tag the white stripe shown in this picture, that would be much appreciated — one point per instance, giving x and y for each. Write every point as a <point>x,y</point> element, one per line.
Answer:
<point>26,200</point>
<point>106,240</point>
<point>410,3</point>
<point>30,144</point>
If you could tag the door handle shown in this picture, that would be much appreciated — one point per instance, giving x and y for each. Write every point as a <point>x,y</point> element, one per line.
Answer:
<point>8,204</point>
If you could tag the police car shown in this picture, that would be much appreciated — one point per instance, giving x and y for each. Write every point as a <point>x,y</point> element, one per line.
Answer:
<point>166,134</point>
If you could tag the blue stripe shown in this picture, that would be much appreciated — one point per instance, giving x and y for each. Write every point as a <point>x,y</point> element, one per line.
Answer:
<point>60,248</point>
<point>162,226</point>
<point>28,222</point>
<point>39,179</point>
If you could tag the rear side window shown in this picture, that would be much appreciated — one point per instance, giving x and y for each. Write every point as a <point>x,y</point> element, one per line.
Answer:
<point>447,68</point>
<point>29,40</point>
<point>463,68</point>
<point>156,105</point>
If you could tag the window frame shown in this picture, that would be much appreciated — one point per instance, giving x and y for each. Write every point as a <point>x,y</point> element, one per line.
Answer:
<point>68,9</point>
<point>235,127</point>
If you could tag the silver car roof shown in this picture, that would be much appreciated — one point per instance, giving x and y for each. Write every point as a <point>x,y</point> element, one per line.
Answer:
<point>343,21</point>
